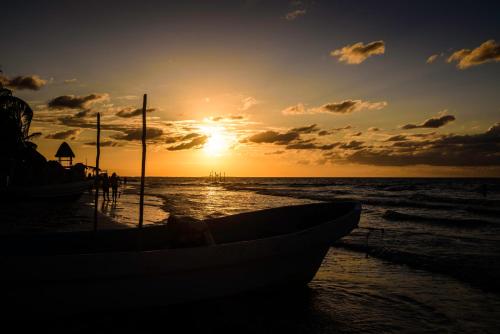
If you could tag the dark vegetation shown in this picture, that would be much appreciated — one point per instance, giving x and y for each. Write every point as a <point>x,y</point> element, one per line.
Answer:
<point>20,162</point>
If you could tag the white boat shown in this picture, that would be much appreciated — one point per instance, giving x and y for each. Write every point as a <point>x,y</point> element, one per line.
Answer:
<point>110,269</point>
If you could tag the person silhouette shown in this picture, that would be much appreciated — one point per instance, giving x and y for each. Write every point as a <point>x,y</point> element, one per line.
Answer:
<point>105,187</point>
<point>114,180</point>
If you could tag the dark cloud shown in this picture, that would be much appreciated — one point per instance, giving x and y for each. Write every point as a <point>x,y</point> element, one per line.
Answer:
<point>358,52</point>
<point>172,139</point>
<point>397,138</point>
<point>131,112</point>
<point>180,138</point>
<point>105,143</point>
<point>348,106</point>
<point>431,123</point>
<point>352,145</point>
<point>72,134</point>
<point>83,113</point>
<point>275,152</point>
<point>77,122</point>
<point>188,141</point>
<point>311,146</point>
<point>197,142</point>
<point>85,119</point>
<point>487,52</point>
<point>294,141</point>
<point>423,135</point>
<point>86,123</point>
<point>481,149</point>
<point>293,138</point>
<point>491,136</point>
<point>343,107</point>
<point>325,132</point>
<point>274,137</point>
<point>76,102</point>
<point>31,82</point>
<point>306,129</point>
<point>136,134</point>
<point>190,136</point>
<point>411,144</point>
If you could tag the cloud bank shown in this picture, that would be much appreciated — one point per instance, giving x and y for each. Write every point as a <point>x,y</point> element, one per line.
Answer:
<point>450,150</point>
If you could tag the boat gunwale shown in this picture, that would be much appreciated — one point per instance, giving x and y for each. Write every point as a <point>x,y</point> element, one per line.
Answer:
<point>356,209</point>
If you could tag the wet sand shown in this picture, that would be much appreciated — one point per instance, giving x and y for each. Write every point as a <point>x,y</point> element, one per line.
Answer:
<point>20,217</point>
<point>78,215</point>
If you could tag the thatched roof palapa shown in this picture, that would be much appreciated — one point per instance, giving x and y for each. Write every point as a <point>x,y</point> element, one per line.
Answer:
<point>65,151</point>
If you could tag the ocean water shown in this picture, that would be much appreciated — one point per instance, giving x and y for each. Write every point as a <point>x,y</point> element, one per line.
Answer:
<point>425,258</point>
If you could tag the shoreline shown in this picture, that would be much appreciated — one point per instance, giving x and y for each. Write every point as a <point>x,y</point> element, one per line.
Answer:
<point>40,217</point>
<point>78,215</point>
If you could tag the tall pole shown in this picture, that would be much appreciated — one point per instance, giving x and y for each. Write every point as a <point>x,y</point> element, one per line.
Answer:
<point>96,179</point>
<point>143,166</point>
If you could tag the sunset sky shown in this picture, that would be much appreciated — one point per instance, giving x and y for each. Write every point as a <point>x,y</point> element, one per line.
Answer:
<point>263,88</point>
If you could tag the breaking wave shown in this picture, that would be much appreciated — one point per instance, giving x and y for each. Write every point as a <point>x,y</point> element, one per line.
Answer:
<point>481,275</point>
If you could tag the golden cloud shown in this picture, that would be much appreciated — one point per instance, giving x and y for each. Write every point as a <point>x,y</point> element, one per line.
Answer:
<point>358,52</point>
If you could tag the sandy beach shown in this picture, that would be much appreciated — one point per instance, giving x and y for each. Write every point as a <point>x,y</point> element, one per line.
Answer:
<point>78,215</point>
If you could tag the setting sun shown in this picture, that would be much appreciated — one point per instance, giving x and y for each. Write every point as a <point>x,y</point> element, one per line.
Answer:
<point>218,141</point>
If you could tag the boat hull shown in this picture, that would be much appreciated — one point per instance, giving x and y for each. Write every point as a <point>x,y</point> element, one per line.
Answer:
<point>169,276</point>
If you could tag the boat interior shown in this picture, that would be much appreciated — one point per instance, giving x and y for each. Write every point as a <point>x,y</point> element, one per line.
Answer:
<point>235,228</point>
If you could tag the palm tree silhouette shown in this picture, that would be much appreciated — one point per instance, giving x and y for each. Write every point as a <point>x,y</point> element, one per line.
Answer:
<point>15,116</point>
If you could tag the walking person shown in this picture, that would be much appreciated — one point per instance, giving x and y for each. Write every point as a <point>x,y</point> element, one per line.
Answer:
<point>91,185</point>
<point>114,180</point>
<point>105,187</point>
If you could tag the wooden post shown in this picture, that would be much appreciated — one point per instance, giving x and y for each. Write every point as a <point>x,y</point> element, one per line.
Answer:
<point>143,166</point>
<point>96,179</point>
